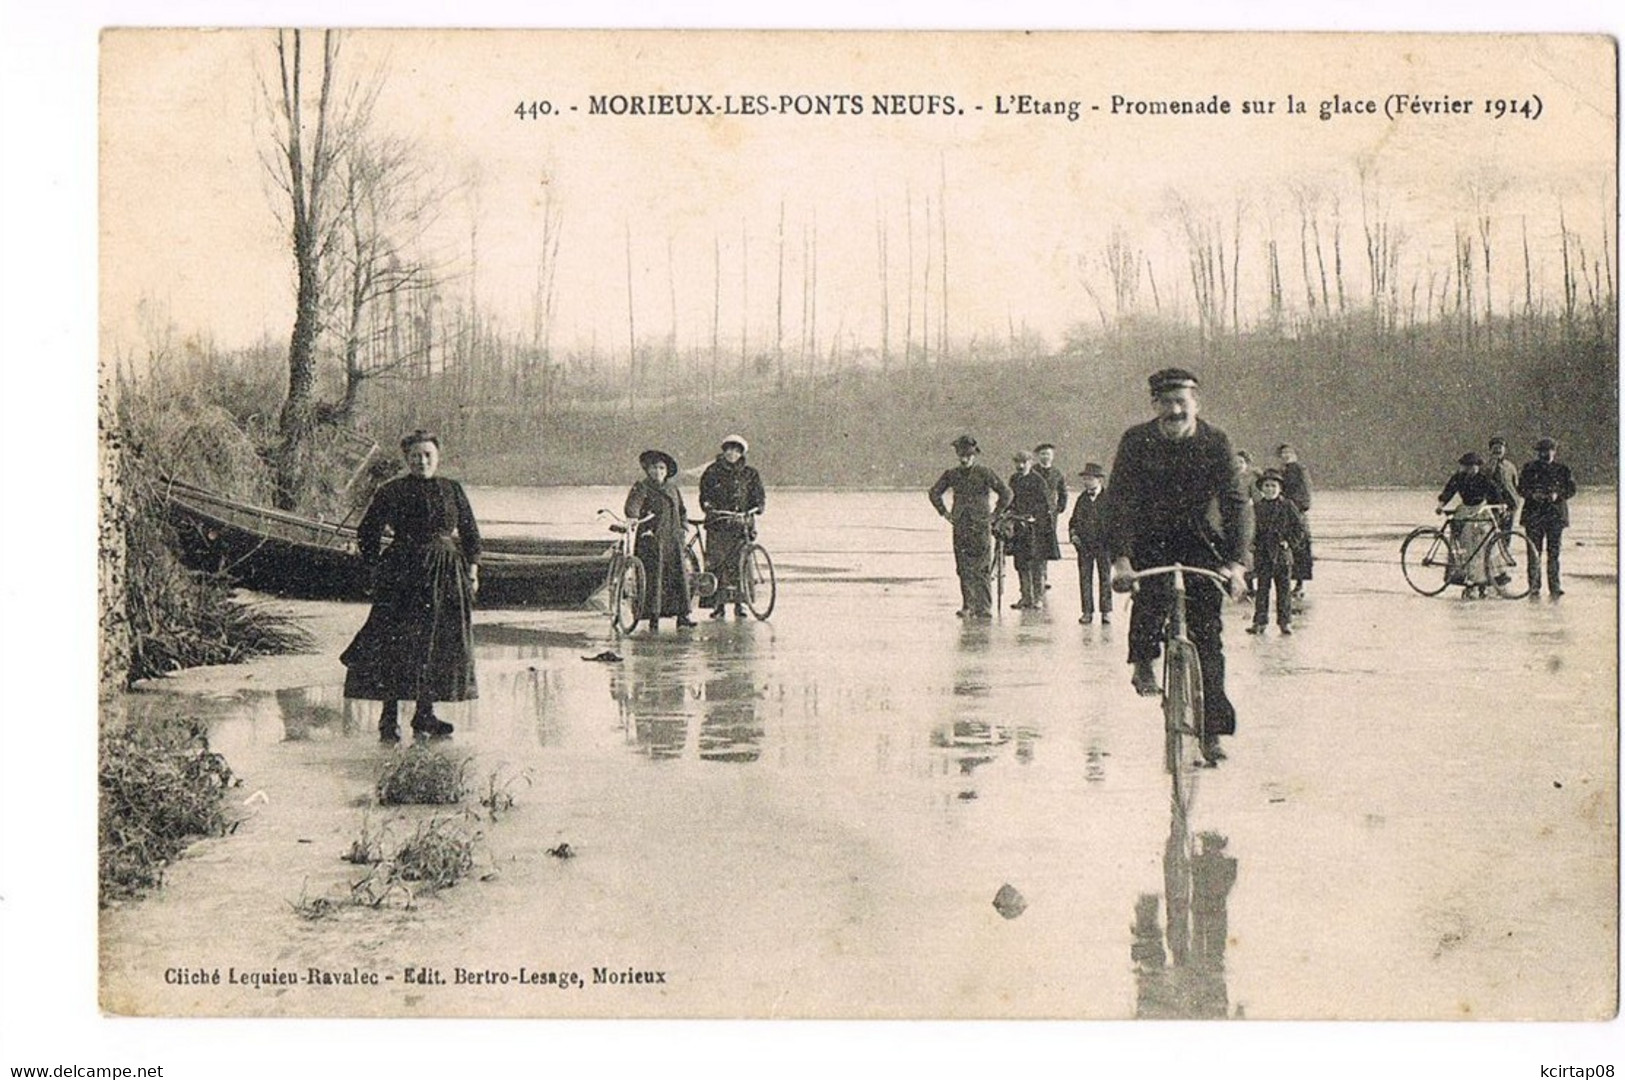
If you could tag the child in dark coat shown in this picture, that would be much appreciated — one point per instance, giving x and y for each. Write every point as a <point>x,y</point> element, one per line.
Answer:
<point>1278,530</point>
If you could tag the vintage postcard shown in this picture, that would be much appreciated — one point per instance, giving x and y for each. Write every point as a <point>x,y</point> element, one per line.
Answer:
<point>1295,309</point>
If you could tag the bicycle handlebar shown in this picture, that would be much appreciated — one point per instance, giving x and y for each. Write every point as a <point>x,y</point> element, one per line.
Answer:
<point>1154,571</point>
<point>621,521</point>
<point>1499,508</point>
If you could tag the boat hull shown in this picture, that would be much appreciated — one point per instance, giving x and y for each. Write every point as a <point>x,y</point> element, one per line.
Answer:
<point>288,555</point>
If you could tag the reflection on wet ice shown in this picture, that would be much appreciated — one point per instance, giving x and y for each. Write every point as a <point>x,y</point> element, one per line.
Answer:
<point>1179,964</point>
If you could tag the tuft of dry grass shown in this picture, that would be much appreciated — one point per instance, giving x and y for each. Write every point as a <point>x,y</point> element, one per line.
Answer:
<point>420,776</point>
<point>438,854</point>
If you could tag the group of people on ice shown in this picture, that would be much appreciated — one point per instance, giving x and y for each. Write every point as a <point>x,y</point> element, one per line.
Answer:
<point>1494,493</point>
<point>1179,493</point>
<point>1028,507</point>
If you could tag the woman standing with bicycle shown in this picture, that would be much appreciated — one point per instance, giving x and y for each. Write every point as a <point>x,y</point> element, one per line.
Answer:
<point>1472,521</point>
<point>660,540</point>
<point>730,491</point>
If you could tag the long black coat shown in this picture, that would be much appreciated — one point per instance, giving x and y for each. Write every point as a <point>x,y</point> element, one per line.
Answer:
<point>418,640</point>
<point>1547,487</point>
<point>1033,496</point>
<point>1057,485</point>
<point>660,545</point>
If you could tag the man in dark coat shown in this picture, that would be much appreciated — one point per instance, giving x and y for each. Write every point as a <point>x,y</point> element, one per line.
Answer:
<point>728,488</point>
<point>1546,486</point>
<point>1295,489</point>
<point>971,485</point>
<point>1087,531</point>
<point>1030,542</point>
<point>1175,497</point>
<point>1056,479</point>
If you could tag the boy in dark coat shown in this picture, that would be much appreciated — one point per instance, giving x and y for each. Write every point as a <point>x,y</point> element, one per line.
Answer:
<point>1277,533</point>
<point>1295,489</point>
<point>1087,531</point>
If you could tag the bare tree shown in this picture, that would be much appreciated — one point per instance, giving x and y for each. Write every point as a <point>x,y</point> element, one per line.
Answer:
<point>885,290</point>
<point>312,133</point>
<point>388,204</point>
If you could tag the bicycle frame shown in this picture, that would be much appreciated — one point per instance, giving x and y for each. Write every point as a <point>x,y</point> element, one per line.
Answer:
<point>623,558</point>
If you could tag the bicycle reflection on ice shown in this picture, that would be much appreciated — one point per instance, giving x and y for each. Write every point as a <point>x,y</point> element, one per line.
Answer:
<point>1179,965</point>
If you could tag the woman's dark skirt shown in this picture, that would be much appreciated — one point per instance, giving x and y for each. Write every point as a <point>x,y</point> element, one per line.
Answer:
<point>418,641</point>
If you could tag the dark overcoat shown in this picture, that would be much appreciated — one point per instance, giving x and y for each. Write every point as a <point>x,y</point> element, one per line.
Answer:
<point>1547,487</point>
<point>1032,496</point>
<point>660,545</point>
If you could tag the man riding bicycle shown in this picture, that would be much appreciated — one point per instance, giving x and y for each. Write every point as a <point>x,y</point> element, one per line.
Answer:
<point>1176,497</point>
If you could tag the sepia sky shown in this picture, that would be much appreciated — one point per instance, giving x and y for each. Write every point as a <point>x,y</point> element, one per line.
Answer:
<point>188,221</point>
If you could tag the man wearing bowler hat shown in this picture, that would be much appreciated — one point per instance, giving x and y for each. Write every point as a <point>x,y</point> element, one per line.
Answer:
<point>1176,497</point>
<point>971,485</point>
<point>1546,486</point>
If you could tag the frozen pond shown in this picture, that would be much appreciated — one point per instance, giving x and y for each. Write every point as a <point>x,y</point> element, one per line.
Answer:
<point>812,816</point>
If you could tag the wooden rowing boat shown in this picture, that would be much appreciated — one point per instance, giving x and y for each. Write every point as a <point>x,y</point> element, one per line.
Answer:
<point>278,552</point>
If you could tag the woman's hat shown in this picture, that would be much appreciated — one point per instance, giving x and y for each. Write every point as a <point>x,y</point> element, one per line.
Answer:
<point>1271,474</point>
<point>649,457</point>
<point>736,440</point>
<point>1546,444</point>
<point>1471,457</point>
<point>965,445</point>
<point>419,436</point>
<point>1093,469</point>
<point>1041,447</point>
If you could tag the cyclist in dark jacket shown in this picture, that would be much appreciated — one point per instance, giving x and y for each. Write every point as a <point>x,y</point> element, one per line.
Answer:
<point>729,485</point>
<point>1175,497</point>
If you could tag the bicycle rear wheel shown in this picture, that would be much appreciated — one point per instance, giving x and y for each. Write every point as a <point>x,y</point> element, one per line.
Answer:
<point>1182,717</point>
<point>758,587</point>
<point>1510,557</point>
<point>626,596</point>
<point>1425,559</point>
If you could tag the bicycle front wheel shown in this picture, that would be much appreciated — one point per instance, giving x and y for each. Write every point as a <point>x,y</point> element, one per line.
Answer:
<point>1425,559</point>
<point>998,574</point>
<point>758,587</point>
<point>626,596</point>
<point>1182,715</point>
<point>1510,557</point>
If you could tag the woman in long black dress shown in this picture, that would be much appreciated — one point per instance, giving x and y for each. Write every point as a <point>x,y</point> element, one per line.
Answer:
<point>660,541</point>
<point>418,642</point>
